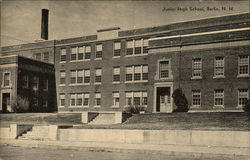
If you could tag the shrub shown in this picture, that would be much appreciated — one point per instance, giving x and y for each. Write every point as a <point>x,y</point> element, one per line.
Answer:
<point>20,104</point>
<point>246,107</point>
<point>135,109</point>
<point>180,101</point>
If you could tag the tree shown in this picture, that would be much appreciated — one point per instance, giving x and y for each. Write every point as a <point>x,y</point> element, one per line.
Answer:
<point>20,104</point>
<point>180,101</point>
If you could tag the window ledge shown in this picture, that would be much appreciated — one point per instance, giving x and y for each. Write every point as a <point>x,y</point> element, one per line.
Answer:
<point>196,77</point>
<point>62,85</point>
<point>97,106</point>
<point>219,107</point>
<point>142,81</point>
<point>82,60</point>
<point>195,106</point>
<point>61,106</point>
<point>79,84</point>
<point>116,82</point>
<point>243,76</point>
<point>98,59</point>
<point>115,107</point>
<point>62,62</point>
<point>136,55</point>
<point>116,57</point>
<point>218,77</point>
<point>97,83</point>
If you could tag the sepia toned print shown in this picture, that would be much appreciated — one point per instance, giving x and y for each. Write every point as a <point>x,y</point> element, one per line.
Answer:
<point>125,80</point>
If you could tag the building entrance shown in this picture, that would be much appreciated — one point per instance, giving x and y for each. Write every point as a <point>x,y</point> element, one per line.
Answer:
<point>5,101</point>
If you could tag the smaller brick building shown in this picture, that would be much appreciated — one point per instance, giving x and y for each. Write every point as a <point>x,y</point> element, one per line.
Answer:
<point>30,79</point>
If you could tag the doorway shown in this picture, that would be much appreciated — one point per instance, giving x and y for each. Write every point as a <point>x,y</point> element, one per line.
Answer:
<point>5,101</point>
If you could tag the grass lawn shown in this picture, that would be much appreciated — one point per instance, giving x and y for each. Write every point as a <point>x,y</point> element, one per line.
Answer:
<point>199,121</point>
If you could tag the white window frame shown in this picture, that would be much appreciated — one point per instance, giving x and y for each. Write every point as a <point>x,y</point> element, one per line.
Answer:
<point>219,105</point>
<point>243,75</point>
<point>133,74</point>
<point>239,105</point>
<point>98,95</point>
<point>114,97</point>
<point>197,92</point>
<point>114,49</point>
<point>37,83</point>
<point>142,96</point>
<point>96,71</point>
<point>215,67</point>
<point>60,76</point>
<point>63,52</point>
<point>193,69</point>
<point>115,74</point>
<point>142,45</point>
<point>46,88</point>
<point>76,53</point>
<point>3,84</point>
<point>98,50</point>
<point>169,69</point>
<point>62,97</point>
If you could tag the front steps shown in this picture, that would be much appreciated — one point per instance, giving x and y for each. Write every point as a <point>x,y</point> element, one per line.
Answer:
<point>36,133</point>
<point>103,119</point>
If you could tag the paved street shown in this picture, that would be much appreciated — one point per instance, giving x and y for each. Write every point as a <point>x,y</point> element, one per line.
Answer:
<point>22,153</point>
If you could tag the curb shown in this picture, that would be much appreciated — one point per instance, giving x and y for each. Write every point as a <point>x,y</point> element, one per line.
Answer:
<point>96,148</point>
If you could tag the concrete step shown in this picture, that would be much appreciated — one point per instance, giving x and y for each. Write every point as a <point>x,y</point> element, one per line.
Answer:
<point>103,118</point>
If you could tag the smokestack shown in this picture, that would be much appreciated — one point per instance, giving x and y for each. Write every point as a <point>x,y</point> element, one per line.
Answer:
<point>44,24</point>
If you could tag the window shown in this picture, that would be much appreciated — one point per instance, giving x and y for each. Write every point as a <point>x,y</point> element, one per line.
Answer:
<point>86,76</point>
<point>196,98</point>
<point>80,54</point>
<point>63,55</point>
<point>137,47</point>
<point>116,74</point>
<point>130,46</point>
<point>117,49</point>
<point>243,96</point>
<point>6,79</point>
<point>87,52</point>
<point>80,74</point>
<point>35,102</point>
<point>86,99</point>
<point>137,73</point>
<point>45,84</point>
<point>62,100</point>
<point>98,75</point>
<point>73,74</point>
<point>72,99</point>
<point>129,73</point>
<point>46,56</point>
<point>73,53</point>
<point>164,68</point>
<point>25,81</point>
<point>97,99</point>
<point>219,97</point>
<point>145,46</point>
<point>79,98</point>
<point>35,83</point>
<point>45,103</point>
<point>38,56</point>
<point>136,98</point>
<point>62,77</point>
<point>197,68</point>
<point>116,99</point>
<point>98,51</point>
<point>219,66</point>
<point>244,65</point>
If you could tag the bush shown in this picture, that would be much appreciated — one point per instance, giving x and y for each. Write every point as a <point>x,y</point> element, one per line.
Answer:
<point>135,109</point>
<point>20,104</point>
<point>246,107</point>
<point>180,101</point>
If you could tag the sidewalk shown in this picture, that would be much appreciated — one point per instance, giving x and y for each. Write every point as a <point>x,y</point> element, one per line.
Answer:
<point>174,150</point>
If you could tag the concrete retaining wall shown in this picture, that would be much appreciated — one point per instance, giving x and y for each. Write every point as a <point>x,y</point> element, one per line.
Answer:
<point>13,131</point>
<point>175,137</point>
<point>4,133</point>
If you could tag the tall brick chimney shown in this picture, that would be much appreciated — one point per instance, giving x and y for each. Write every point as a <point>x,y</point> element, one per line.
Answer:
<point>44,24</point>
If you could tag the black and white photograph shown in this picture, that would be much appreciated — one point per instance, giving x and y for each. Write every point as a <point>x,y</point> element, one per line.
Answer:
<point>124,80</point>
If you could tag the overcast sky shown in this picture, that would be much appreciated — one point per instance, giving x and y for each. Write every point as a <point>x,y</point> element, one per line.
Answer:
<point>21,20</point>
